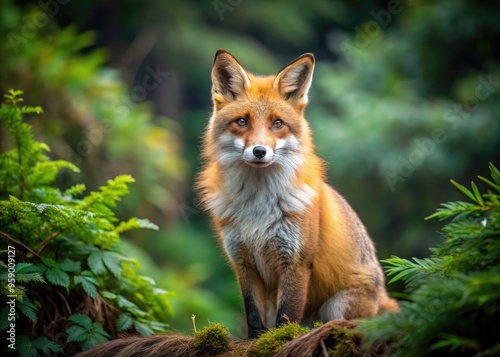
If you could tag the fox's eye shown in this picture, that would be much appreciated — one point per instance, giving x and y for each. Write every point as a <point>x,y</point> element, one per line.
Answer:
<point>241,122</point>
<point>278,123</point>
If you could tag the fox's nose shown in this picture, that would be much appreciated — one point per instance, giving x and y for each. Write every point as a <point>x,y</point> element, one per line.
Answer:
<point>259,152</point>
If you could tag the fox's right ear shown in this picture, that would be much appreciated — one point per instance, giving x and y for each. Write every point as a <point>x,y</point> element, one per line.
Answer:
<point>294,80</point>
<point>229,79</point>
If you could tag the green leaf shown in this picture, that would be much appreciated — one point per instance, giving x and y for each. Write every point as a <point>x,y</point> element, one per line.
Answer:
<point>107,195</point>
<point>452,343</point>
<point>464,190</point>
<point>25,272</point>
<point>94,340</point>
<point>98,329</point>
<point>26,347</point>
<point>50,262</point>
<point>89,284</point>
<point>4,318</point>
<point>108,295</point>
<point>143,329</point>
<point>82,320</point>
<point>96,263</point>
<point>124,322</point>
<point>57,277</point>
<point>409,271</point>
<point>28,309</point>
<point>99,261</point>
<point>478,196</point>
<point>47,346</point>
<point>75,190</point>
<point>31,110</point>
<point>96,336</point>
<point>112,262</point>
<point>71,266</point>
<point>42,268</point>
<point>125,303</point>
<point>24,268</point>
<point>147,224</point>
<point>159,326</point>
<point>77,334</point>
<point>495,174</point>
<point>135,223</point>
<point>495,186</point>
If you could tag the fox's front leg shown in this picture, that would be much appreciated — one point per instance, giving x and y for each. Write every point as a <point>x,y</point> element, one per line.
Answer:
<point>251,285</point>
<point>252,291</point>
<point>292,294</point>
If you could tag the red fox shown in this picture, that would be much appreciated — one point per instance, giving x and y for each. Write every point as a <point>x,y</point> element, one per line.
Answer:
<point>299,251</point>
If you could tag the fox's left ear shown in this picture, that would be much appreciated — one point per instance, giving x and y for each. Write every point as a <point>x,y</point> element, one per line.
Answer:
<point>294,80</point>
<point>229,79</point>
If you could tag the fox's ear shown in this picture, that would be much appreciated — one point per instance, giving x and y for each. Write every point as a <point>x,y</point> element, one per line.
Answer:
<point>294,80</point>
<point>229,79</point>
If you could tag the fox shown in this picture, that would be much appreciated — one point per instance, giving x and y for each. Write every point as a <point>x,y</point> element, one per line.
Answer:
<point>299,251</point>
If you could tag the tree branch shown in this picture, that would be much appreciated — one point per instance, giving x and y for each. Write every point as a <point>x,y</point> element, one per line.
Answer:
<point>47,240</point>
<point>20,243</point>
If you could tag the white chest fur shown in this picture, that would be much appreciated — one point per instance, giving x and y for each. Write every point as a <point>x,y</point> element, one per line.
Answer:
<point>256,201</point>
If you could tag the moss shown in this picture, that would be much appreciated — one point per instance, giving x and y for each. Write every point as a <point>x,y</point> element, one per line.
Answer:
<point>212,339</point>
<point>342,342</point>
<point>317,324</point>
<point>270,342</point>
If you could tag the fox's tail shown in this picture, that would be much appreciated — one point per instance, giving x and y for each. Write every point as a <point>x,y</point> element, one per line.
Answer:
<point>139,346</point>
<point>388,305</point>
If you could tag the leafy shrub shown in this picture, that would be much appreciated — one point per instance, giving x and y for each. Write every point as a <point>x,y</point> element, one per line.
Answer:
<point>96,121</point>
<point>454,300</point>
<point>64,252</point>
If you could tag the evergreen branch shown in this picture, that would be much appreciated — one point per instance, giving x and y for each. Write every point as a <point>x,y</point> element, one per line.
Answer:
<point>493,185</point>
<point>20,243</point>
<point>410,272</point>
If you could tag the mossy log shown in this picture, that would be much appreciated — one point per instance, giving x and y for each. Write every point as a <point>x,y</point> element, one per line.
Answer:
<point>335,338</point>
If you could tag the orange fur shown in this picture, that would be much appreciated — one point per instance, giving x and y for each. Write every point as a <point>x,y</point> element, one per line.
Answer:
<point>319,262</point>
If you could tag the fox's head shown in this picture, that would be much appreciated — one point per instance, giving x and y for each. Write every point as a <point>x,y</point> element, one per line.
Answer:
<point>258,121</point>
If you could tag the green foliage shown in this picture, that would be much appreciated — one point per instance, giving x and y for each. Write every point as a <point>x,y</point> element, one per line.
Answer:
<point>342,341</point>
<point>270,342</point>
<point>317,324</point>
<point>94,120</point>
<point>86,332</point>
<point>408,271</point>
<point>454,301</point>
<point>67,251</point>
<point>29,348</point>
<point>213,339</point>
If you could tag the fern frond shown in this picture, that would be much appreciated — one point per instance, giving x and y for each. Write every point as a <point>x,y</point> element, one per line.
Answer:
<point>411,271</point>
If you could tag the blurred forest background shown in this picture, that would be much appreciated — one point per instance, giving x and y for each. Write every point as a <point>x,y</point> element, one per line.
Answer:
<point>405,96</point>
